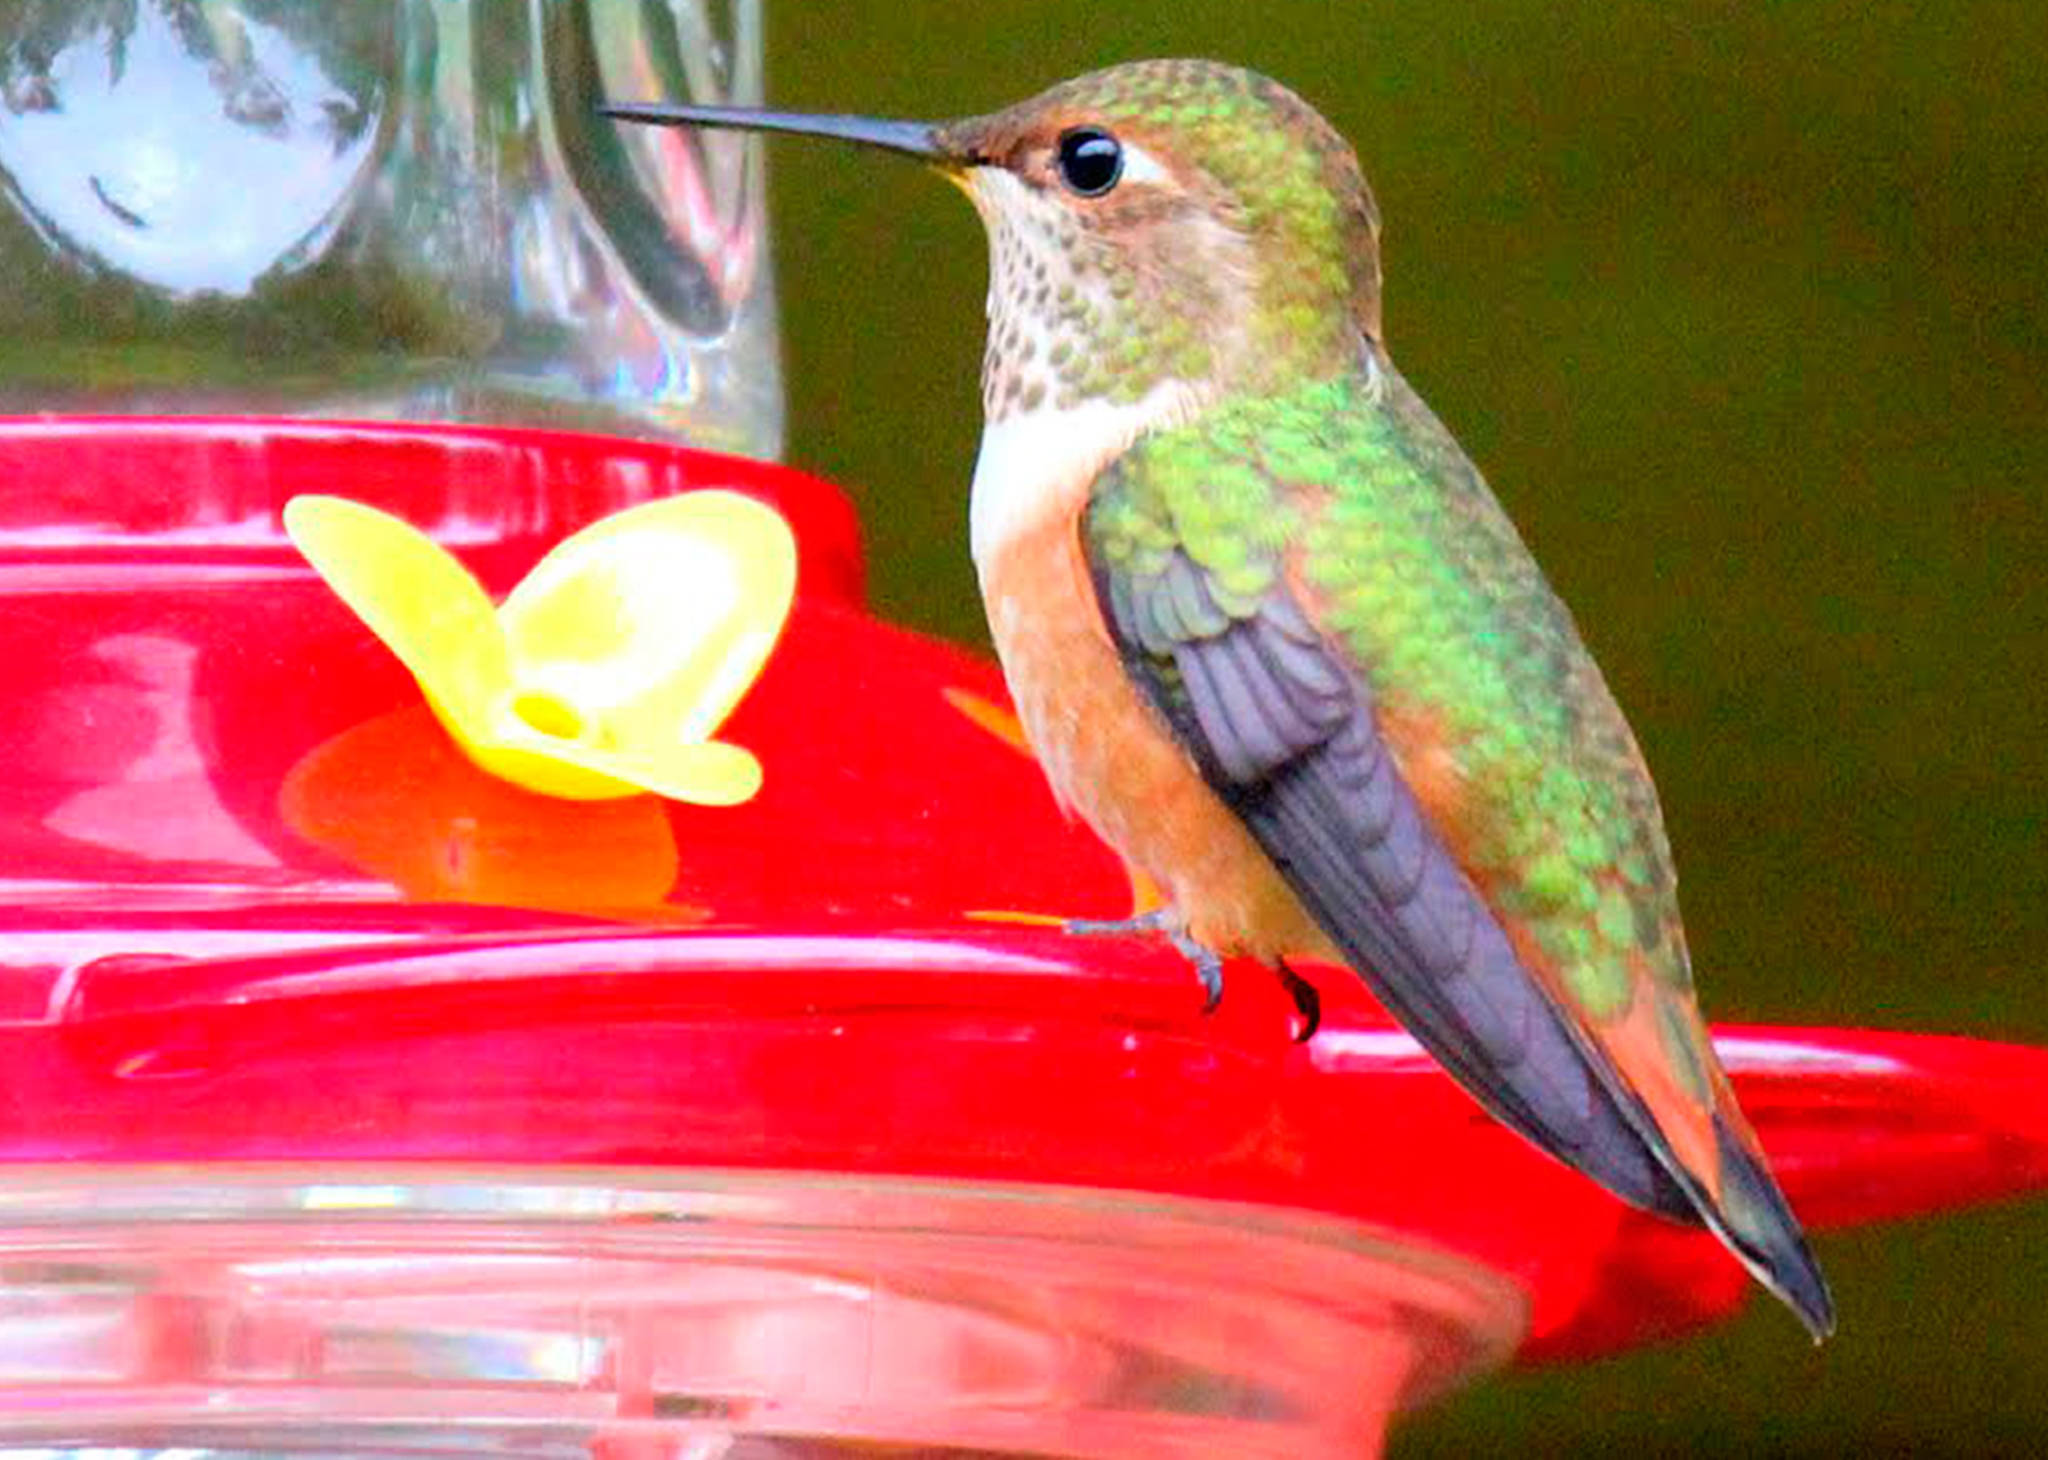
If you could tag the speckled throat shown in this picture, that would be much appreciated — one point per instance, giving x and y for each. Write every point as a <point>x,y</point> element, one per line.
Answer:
<point>1102,312</point>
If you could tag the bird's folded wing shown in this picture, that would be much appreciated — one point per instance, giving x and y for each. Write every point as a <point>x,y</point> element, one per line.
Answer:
<point>1284,732</point>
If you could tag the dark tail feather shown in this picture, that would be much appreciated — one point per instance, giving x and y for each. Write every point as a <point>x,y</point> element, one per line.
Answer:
<point>1753,1219</point>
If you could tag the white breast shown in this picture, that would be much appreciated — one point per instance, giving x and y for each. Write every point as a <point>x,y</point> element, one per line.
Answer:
<point>1041,461</point>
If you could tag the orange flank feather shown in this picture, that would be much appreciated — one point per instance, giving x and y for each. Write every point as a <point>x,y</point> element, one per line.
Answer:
<point>1110,759</point>
<point>1001,721</point>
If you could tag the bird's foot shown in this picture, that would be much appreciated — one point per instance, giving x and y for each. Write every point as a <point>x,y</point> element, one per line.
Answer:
<point>1208,964</point>
<point>1308,1004</point>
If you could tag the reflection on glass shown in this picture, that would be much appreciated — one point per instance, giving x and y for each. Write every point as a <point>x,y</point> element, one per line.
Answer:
<point>593,1313</point>
<point>402,209</point>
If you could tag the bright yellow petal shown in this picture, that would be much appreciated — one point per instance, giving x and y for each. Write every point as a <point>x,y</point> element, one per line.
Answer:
<point>603,673</point>
<point>702,772</point>
<point>539,765</point>
<point>546,745</point>
<point>653,622</point>
<point>413,595</point>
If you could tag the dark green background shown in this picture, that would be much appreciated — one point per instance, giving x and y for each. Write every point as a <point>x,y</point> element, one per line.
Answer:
<point>1740,307</point>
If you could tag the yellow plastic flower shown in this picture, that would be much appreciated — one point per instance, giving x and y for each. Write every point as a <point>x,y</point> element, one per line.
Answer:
<point>605,672</point>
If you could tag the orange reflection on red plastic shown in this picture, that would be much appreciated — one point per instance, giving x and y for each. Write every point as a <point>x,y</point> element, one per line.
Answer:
<point>394,797</point>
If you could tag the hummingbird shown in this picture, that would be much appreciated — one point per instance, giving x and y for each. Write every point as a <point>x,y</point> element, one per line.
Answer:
<point>1273,638</point>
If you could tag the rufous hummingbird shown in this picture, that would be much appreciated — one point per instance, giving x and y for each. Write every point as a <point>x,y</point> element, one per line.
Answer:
<point>1272,637</point>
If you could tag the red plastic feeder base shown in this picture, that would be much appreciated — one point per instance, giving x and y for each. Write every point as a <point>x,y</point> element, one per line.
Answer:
<point>350,1099</point>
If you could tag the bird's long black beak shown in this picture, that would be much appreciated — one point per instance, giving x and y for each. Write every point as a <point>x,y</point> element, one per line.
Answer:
<point>913,139</point>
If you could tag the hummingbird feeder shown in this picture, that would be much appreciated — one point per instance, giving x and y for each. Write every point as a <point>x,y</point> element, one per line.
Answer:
<point>356,1097</point>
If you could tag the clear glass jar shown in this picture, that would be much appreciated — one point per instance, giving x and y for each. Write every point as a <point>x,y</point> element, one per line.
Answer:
<point>405,209</point>
<point>420,1310</point>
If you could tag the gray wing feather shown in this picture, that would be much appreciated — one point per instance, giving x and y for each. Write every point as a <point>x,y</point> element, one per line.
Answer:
<point>1285,734</point>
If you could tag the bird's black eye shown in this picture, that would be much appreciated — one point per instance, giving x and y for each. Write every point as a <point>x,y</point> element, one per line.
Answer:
<point>1090,161</point>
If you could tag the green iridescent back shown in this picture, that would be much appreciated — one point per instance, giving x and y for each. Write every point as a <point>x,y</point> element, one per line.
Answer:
<point>1350,493</point>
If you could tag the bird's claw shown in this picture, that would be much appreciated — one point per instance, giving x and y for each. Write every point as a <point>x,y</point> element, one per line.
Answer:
<point>1308,1003</point>
<point>1208,968</point>
<point>1208,964</point>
